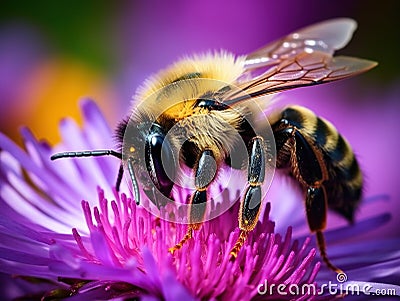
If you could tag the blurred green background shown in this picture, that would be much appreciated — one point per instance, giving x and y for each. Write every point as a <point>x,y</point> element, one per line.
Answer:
<point>53,53</point>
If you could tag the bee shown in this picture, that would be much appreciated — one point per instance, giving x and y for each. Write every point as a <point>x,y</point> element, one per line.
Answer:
<point>189,113</point>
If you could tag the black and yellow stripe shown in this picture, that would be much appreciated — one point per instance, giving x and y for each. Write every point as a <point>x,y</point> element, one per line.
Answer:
<point>345,180</point>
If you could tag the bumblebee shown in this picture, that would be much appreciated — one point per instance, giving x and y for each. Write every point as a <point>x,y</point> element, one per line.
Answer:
<point>190,114</point>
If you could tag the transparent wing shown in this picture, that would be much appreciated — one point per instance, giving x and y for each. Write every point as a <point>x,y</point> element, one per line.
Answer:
<point>300,59</point>
<point>304,69</point>
<point>326,37</point>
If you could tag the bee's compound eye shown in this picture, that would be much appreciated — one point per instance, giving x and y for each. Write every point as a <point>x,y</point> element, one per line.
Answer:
<point>160,162</point>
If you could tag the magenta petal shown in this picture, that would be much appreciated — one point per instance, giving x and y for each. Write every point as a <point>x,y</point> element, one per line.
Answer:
<point>30,166</point>
<point>152,271</point>
<point>101,248</point>
<point>358,228</point>
<point>23,257</point>
<point>95,124</point>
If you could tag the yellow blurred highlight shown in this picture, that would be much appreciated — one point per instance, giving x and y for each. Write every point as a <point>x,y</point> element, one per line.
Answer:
<point>51,92</point>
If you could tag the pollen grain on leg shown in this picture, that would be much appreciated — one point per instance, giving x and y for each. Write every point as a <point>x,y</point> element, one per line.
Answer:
<point>179,245</point>
<point>239,243</point>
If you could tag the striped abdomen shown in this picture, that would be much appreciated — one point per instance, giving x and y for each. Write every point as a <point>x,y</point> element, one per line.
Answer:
<point>345,180</point>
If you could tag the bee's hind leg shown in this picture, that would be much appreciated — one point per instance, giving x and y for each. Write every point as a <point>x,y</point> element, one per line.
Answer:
<point>306,161</point>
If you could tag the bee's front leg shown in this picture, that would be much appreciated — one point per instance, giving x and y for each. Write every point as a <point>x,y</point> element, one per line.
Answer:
<point>250,207</point>
<point>205,172</point>
<point>119,177</point>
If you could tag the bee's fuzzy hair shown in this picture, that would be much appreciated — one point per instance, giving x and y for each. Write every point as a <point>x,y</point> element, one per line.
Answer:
<point>220,65</point>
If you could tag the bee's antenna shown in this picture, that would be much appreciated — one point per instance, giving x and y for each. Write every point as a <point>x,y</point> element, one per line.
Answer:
<point>92,153</point>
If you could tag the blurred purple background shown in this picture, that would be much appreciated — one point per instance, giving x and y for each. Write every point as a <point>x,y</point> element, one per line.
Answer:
<point>52,53</point>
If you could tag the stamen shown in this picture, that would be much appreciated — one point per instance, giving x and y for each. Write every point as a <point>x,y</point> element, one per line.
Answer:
<point>79,242</point>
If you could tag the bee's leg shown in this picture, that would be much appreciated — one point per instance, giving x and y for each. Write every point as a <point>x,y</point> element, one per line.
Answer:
<point>135,185</point>
<point>119,178</point>
<point>251,204</point>
<point>309,169</point>
<point>205,172</point>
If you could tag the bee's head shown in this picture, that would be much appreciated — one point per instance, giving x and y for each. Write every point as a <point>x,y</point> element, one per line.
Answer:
<point>148,156</point>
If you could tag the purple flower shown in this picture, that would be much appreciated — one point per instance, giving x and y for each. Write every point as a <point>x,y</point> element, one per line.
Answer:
<point>106,247</point>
